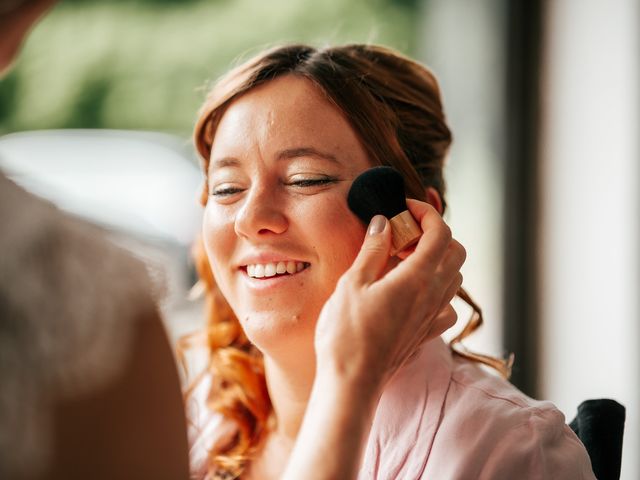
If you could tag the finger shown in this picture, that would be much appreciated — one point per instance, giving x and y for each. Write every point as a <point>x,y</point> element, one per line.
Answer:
<point>419,210</point>
<point>451,290</point>
<point>435,238</point>
<point>449,268</point>
<point>424,213</point>
<point>421,267</point>
<point>455,256</point>
<point>374,253</point>
<point>442,322</point>
<point>432,290</point>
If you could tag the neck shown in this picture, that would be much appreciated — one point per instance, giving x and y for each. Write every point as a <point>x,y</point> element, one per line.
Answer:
<point>289,382</point>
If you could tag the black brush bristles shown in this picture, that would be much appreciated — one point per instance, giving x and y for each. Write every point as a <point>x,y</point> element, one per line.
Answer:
<point>377,191</point>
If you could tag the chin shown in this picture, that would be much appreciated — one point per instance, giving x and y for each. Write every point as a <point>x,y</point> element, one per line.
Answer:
<point>274,335</point>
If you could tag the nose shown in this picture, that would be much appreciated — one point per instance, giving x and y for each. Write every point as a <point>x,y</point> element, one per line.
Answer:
<point>261,214</point>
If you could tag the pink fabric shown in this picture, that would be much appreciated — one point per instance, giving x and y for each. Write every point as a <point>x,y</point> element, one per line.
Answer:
<point>442,417</point>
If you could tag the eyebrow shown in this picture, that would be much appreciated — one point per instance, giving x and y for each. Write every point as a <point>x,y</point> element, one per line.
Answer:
<point>224,162</point>
<point>305,152</point>
<point>286,154</point>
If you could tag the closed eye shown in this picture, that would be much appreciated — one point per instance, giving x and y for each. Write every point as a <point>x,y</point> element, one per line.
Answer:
<point>312,182</point>
<point>225,191</point>
<point>228,190</point>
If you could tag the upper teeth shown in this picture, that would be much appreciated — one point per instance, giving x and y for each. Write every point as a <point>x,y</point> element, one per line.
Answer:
<point>260,270</point>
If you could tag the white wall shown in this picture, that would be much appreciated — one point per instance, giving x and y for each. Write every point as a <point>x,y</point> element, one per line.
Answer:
<point>591,210</point>
<point>461,41</point>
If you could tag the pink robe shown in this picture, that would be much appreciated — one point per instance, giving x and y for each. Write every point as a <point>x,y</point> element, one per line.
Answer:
<point>445,418</point>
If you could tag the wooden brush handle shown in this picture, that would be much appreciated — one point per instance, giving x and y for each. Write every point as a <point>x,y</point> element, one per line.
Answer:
<point>405,231</point>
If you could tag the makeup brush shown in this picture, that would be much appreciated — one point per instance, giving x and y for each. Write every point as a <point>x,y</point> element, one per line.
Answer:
<point>380,191</point>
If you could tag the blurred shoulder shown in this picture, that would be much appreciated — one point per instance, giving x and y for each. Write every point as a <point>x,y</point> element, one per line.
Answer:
<point>41,243</point>
<point>85,349</point>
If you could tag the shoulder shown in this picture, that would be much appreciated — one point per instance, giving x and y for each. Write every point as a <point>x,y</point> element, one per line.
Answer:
<point>499,432</point>
<point>85,350</point>
<point>58,271</point>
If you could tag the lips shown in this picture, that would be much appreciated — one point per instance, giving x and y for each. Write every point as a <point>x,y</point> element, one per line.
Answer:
<point>272,269</point>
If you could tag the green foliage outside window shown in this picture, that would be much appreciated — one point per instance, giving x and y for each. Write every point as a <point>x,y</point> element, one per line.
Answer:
<point>145,64</point>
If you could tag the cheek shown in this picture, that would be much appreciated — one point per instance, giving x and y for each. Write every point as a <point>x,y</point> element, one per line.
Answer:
<point>218,234</point>
<point>342,233</point>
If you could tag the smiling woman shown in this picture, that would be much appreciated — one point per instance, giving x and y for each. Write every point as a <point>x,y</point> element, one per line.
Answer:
<point>282,201</point>
<point>325,359</point>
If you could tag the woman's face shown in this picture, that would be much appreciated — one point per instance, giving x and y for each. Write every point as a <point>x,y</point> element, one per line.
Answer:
<point>277,229</point>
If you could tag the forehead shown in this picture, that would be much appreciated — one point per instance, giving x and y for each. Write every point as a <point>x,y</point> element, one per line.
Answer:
<point>286,112</point>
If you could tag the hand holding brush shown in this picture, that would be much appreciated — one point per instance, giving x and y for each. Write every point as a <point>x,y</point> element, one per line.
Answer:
<point>380,191</point>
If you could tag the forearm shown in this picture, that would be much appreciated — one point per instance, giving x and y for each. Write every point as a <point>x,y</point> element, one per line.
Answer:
<point>334,430</point>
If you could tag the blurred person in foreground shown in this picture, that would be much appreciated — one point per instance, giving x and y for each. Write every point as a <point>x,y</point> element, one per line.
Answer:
<point>88,386</point>
<point>325,356</point>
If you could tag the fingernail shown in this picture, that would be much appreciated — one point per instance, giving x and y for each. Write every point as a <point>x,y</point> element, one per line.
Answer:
<point>377,225</point>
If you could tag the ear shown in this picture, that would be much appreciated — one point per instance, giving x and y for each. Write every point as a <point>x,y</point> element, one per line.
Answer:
<point>433,198</point>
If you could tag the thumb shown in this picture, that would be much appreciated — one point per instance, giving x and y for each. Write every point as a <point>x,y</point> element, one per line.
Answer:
<point>374,253</point>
